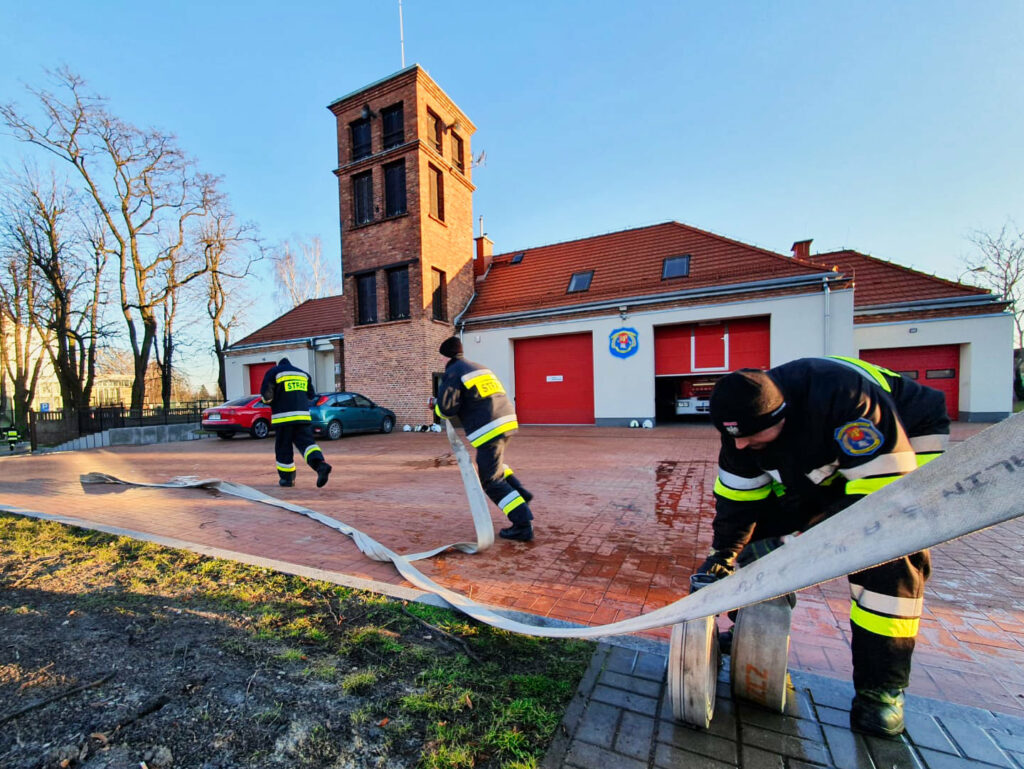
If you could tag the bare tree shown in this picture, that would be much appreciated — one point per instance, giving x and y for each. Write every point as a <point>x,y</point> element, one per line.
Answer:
<point>230,250</point>
<point>302,273</point>
<point>23,341</point>
<point>145,190</point>
<point>998,264</point>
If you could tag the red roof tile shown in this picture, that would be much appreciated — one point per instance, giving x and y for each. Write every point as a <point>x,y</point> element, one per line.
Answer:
<point>879,282</point>
<point>625,264</point>
<point>314,317</point>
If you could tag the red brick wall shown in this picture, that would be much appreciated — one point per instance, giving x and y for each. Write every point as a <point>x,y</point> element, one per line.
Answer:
<point>392,362</point>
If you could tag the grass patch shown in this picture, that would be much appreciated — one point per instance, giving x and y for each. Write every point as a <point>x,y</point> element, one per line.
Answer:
<point>408,688</point>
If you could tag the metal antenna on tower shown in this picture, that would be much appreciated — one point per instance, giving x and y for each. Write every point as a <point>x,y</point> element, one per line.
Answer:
<point>401,32</point>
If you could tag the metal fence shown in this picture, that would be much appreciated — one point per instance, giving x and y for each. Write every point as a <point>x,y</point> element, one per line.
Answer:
<point>49,428</point>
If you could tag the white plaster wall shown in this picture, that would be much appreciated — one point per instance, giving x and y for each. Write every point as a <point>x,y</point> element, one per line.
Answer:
<point>986,355</point>
<point>624,387</point>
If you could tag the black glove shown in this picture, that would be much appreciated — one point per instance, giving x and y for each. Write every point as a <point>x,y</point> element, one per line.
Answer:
<point>758,549</point>
<point>718,565</point>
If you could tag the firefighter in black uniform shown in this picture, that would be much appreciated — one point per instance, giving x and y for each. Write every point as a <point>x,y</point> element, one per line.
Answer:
<point>289,391</point>
<point>473,393</point>
<point>803,441</point>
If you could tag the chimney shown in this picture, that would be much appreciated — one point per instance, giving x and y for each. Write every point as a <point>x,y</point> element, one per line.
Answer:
<point>484,253</point>
<point>802,249</point>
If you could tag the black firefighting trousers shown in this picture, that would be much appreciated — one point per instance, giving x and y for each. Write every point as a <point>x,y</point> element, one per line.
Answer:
<point>499,483</point>
<point>299,435</point>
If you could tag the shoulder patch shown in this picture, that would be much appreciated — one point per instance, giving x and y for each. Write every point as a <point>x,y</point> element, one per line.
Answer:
<point>858,439</point>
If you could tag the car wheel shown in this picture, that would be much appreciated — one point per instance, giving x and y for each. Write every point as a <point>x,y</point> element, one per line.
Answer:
<point>334,430</point>
<point>387,425</point>
<point>226,436</point>
<point>260,429</point>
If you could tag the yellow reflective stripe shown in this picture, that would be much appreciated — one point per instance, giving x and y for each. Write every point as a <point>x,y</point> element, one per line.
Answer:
<point>486,384</point>
<point>287,468</point>
<point>437,410</point>
<point>310,450</point>
<point>891,627</point>
<point>750,495</point>
<point>873,371</point>
<point>923,459</point>
<point>513,505</point>
<point>492,434</point>
<point>291,417</point>
<point>868,485</point>
<point>290,376</point>
<point>506,472</point>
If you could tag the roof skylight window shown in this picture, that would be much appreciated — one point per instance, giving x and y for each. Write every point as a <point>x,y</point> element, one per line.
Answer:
<point>676,267</point>
<point>518,258</point>
<point>580,281</point>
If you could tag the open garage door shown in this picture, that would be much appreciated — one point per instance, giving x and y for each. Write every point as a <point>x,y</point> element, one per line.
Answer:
<point>555,380</point>
<point>936,366</point>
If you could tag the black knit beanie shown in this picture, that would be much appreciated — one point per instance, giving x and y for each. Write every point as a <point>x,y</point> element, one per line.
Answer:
<point>451,347</point>
<point>746,402</point>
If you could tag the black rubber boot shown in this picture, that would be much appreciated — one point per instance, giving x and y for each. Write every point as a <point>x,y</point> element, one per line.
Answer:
<point>322,472</point>
<point>285,482</point>
<point>522,532</point>
<point>878,712</point>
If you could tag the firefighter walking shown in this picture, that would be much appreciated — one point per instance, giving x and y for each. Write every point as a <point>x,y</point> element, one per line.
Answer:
<point>288,390</point>
<point>473,393</point>
<point>800,443</point>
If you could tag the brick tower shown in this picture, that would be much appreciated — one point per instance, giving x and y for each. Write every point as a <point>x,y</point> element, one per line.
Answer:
<point>406,214</point>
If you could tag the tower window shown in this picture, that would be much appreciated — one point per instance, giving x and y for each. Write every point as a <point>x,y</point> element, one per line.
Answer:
<point>366,296</point>
<point>439,295</point>
<point>394,189</point>
<point>360,132</point>
<point>436,181</point>
<point>393,120</point>
<point>675,267</point>
<point>435,131</point>
<point>362,197</point>
<point>580,281</point>
<point>398,293</point>
<point>458,153</point>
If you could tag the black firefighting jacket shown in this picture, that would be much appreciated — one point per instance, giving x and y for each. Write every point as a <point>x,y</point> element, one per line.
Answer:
<point>288,390</point>
<point>473,394</point>
<point>850,428</point>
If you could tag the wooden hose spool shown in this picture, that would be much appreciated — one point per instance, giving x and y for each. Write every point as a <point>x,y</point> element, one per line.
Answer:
<point>693,671</point>
<point>760,652</point>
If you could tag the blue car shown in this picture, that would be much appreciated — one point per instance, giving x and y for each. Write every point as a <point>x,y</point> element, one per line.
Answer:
<point>338,414</point>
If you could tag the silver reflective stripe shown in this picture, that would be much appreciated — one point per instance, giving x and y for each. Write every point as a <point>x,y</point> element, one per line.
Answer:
<point>740,483</point>
<point>289,375</point>
<point>310,450</point>
<point>491,426</point>
<point>508,499</point>
<point>864,372</point>
<point>290,414</point>
<point>286,468</point>
<point>775,475</point>
<point>886,604</point>
<point>887,464</point>
<point>477,373</point>
<point>823,472</point>
<point>928,443</point>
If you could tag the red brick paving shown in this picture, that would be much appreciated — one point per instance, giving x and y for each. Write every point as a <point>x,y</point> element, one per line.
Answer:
<point>623,517</point>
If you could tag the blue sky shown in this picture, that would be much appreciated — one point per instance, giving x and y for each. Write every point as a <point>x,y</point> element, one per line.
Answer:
<point>891,128</point>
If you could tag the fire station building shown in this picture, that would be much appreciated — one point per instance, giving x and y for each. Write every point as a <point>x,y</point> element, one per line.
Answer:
<point>631,325</point>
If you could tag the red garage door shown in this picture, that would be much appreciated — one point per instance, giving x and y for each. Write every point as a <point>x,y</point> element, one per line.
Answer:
<point>937,366</point>
<point>555,380</point>
<point>256,372</point>
<point>714,346</point>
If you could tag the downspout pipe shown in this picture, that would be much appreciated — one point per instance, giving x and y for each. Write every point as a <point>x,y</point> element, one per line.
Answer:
<point>828,313</point>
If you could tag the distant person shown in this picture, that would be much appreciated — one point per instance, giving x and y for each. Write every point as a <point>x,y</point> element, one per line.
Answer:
<point>289,391</point>
<point>473,393</point>
<point>802,442</point>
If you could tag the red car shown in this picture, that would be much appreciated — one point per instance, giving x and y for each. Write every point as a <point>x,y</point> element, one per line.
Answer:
<point>246,414</point>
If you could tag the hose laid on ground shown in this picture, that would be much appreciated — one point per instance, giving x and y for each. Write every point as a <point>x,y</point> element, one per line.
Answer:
<point>974,485</point>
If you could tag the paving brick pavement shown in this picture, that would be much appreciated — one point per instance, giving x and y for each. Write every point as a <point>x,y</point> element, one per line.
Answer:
<point>621,718</point>
<point>623,517</point>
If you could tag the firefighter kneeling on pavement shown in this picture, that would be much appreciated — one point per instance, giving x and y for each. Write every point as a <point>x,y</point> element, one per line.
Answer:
<point>802,442</point>
<point>473,393</point>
